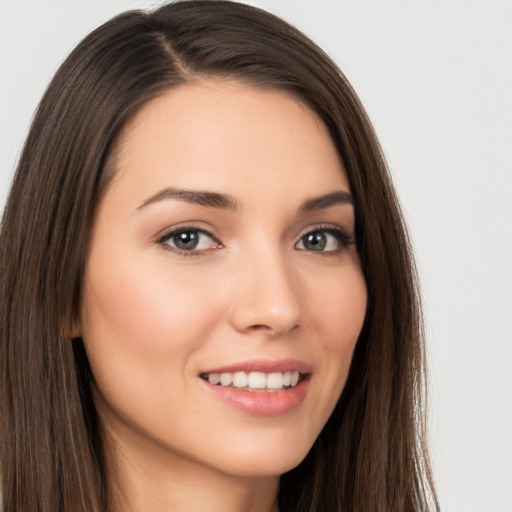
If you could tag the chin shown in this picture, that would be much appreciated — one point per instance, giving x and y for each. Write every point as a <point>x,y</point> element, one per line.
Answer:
<point>260,459</point>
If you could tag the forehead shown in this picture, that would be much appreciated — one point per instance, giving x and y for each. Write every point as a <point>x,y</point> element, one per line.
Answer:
<point>229,137</point>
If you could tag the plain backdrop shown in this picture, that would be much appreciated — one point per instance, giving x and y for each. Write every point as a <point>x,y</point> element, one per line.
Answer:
<point>436,79</point>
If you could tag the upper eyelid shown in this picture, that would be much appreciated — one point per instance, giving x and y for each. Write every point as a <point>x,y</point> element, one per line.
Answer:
<point>325,227</point>
<point>173,230</point>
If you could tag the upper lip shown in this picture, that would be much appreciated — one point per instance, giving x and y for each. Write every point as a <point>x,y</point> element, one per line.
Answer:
<point>263,365</point>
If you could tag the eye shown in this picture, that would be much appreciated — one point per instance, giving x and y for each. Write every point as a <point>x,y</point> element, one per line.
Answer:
<point>188,240</point>
<point>324,240</point>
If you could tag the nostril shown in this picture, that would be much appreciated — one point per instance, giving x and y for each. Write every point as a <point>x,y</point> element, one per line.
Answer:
<point>271,329</point>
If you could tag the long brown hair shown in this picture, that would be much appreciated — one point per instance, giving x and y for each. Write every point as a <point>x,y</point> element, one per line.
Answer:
<point>371,456</point>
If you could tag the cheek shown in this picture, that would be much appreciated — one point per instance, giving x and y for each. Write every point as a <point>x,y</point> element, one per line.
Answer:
<point>141,318</point>
<point>339,315</point>
<point>140,329</point>
<point>339,309</point>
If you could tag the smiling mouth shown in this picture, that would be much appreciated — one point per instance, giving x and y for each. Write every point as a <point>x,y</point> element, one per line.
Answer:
<point>255,381</point>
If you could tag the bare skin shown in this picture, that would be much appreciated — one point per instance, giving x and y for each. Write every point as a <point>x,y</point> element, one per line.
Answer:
<point>223,248</point>
<point>152,486</point>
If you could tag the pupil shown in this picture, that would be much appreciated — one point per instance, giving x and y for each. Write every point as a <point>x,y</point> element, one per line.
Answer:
<point>315,241</point>
<point>186,240</point>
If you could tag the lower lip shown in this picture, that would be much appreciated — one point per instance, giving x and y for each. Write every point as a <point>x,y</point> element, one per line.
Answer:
<point>261,403</point>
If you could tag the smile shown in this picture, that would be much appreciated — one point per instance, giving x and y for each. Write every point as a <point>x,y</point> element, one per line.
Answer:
<point>261,387</point>
<point>255,381</point>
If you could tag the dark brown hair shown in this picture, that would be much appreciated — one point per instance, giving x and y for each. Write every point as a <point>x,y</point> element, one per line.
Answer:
<point>371,456</point>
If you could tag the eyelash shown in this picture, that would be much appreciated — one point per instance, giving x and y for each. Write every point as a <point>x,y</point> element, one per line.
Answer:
<point>341,235</point>
<point>164,239</point>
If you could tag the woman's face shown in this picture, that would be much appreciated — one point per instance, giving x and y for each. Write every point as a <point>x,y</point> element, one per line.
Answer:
<point>223,294</point>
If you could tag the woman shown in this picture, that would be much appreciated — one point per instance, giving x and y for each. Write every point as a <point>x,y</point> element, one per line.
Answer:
<point>208,299</point>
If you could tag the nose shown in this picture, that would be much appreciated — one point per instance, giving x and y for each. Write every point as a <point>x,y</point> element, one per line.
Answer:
<point>266,297</point>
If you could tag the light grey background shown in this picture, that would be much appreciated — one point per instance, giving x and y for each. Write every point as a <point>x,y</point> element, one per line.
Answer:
<point>436,79</point>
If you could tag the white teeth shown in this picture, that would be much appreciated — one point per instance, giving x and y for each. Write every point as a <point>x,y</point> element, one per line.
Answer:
<point>226,379</point>
<point>257,380</point>
<point>240,379</point>
<point>254,380</point>
<point>275,380</point>
<point>214,378</point>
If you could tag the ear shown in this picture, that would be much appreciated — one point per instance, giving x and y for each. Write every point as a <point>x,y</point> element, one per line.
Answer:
<point>75,334</point>
<point>74,329</point>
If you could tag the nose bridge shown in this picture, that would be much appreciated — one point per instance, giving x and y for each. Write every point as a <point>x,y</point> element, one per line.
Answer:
<point>267,297</point>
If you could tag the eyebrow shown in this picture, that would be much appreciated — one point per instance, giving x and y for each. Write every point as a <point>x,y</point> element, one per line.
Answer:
<point>338,197</point>
<point>227,202</point>
<point>199,197</point>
